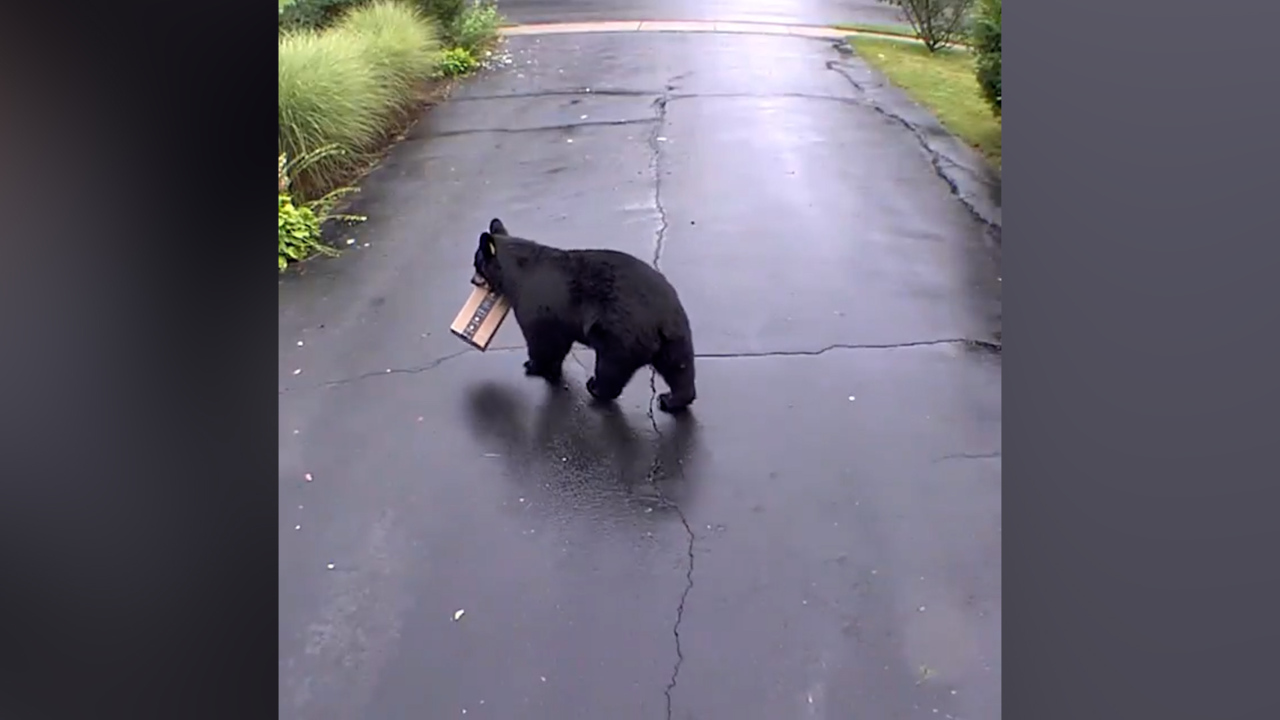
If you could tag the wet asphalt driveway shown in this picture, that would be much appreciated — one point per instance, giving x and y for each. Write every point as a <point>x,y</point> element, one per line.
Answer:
<point>808,12</point>
<point>820,538</point>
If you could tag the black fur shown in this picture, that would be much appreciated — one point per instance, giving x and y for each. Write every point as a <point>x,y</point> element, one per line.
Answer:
<point>612,302</point>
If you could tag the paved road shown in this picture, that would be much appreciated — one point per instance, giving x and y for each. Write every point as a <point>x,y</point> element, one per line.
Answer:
<point>822,541</point>
<point>809,12</point>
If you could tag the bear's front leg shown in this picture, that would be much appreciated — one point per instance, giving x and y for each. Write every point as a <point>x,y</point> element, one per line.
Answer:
<point>548,347</point>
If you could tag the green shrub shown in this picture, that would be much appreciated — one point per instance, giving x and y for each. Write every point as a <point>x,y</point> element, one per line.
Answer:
<point>299,232</point>
<point>329,94</point>
<point>350,85</point>
<point>456,61</point>
<point>401,45</point>
<point>937,23</point>
<point>300,223</point>
<point>312,14</point>
<point>446,13</point>
<point>477,26</point>
<point>986,45</point>
<point>464,23</point>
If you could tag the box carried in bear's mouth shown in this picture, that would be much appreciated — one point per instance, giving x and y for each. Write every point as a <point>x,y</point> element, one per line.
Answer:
<point>481,316</point>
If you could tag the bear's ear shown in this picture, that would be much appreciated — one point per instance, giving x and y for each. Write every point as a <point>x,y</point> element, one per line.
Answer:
<point>497,228</point>
<point>488,248</point>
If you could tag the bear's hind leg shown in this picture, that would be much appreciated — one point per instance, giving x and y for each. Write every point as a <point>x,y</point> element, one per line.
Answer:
<point>676,369</point>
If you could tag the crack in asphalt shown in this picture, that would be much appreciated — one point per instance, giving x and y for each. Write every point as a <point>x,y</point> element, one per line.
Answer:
<point>768,96</point>
<point>669,96</point>
<point>993,347</point>
<point>655,141</point>
<point>545,128</point>
<point>660,95</point>
<point>981,344</point>
<point>941,163</point>
<point>607,92</point>
<point>395,371</point>
<point>688,529</point>
<point>655,147</point>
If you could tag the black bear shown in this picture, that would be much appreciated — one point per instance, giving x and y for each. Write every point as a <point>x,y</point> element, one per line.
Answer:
<point>614,303</point>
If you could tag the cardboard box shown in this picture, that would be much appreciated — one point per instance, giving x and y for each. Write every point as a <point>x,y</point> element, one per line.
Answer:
<point>481,316</point>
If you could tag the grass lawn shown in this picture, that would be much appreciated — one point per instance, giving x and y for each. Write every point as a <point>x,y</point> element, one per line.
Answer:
<point>943,83</point>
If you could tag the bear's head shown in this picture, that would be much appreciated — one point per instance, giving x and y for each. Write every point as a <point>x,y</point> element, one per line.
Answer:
<point>486,261</point>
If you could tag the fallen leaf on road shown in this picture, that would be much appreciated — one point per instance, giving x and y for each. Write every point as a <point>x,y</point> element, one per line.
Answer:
<point>457,615</point>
